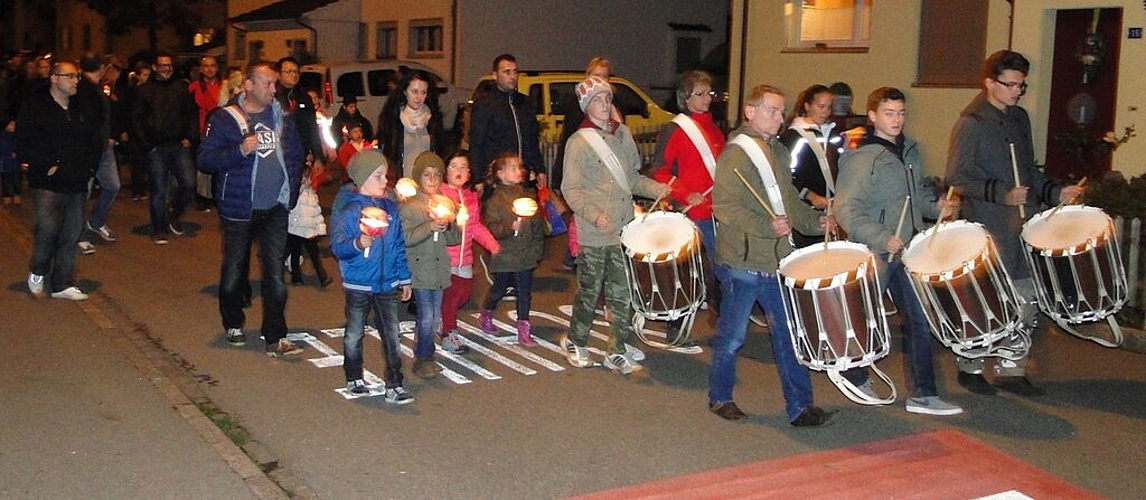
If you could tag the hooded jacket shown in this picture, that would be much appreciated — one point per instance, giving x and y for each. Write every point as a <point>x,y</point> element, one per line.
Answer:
<point>382,268</point>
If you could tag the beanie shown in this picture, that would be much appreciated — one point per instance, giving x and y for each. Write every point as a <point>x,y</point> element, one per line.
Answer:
<point>364,163</point>
<point>427,159</point>
<point>590,87</point>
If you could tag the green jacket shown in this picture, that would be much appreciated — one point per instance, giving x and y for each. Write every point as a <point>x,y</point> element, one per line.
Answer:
<point>429,262</point>
<point>523,251</point>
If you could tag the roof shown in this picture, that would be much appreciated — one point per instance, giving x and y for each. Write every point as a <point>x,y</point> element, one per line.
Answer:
<point>283,9</point>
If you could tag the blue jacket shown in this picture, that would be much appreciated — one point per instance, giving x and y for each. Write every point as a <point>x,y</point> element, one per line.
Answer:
<point>219,153</point>
<point>382,268</point>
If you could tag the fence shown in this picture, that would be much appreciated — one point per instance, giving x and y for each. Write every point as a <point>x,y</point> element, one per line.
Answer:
<point>1130,241</point>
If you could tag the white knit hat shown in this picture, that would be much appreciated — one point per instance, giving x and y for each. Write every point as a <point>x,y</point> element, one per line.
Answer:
<point>592,86</point>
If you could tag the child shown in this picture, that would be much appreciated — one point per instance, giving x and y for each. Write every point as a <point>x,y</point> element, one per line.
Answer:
<point>522,238</point>
<point>428,232</point>
<point>9,166</point>
<point>304,227</point>
<point>375,275</point>
<point>356,143</point>
<point>461,256</point>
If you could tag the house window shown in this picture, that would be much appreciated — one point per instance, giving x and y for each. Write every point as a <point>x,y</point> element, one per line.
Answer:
<point>363,41</point>
<point>203,36</point>
<point>946,64</point>
<point>426,38</point>
<point>386,43</point>
<point>687,53</point>
<point>255,50</point>
<point>66,38</point>
<point>240,45</point>
<point>86,37</point>
<point>297,47</point>
<point>826,24</point>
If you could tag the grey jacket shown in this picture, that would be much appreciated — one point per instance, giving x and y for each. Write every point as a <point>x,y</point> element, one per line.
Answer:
<point>429,262</point>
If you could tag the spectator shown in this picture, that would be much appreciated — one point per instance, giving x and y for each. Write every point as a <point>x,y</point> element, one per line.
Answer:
<point>410,123</point>
<point>93,94</point>
<point>348,116</point>
<point>205,92</point>
<point>504,121</point>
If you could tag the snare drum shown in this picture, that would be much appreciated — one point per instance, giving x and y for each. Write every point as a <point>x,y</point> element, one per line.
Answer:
<point>965,291</point>
<point>1076,264</point>
<point>664,265</point>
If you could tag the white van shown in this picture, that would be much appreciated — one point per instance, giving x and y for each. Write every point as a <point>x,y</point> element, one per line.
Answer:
<point>368,82</point>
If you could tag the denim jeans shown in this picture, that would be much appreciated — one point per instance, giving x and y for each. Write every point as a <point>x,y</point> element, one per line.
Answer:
<point>599,267</point>
<point>58,219</point>
<point>359,305</point>
<point>269,227</point>
<point>162,162</point>
<point>429,304</point>
<point>522,281</point>
<point>107,174</point>
<point>742,289</point>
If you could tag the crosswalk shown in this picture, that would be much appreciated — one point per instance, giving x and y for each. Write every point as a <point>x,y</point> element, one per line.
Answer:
<point>500,355</point>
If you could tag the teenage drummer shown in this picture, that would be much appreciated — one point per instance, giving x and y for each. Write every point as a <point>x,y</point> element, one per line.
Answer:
<point>757,208</point>
<point>881,203</point>
<point>992,161</point>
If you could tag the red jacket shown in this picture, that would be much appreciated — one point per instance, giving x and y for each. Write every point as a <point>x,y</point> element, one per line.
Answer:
<point>206,96</point>
<point>677,156</point>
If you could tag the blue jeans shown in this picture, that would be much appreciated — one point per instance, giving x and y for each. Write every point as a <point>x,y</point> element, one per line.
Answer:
<point>429,304</point>
<point>741,289</point>
<point>707,229</point>
<point>522,281</point>
<point>359,305</point>
<point>162,162</point>
<point>269,227</point>
<point>58,219</point>
<point>107,174</point>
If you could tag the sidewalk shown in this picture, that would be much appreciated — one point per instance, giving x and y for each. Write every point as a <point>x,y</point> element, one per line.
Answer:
<point>88,414</point>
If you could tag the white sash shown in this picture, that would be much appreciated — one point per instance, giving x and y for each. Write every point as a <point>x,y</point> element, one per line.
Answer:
<point>821,157</point>
<point>698,141</point>
<point>771,187</point>
<point>607,156</point>
<point>240,118</point>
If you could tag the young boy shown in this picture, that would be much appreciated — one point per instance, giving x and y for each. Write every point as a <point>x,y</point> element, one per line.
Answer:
<point>367,240</point>
<point>874,181</point>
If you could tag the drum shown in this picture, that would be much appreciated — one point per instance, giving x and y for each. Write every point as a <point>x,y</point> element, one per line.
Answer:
<point>664,265</point>
<point>965,291</point>
<point>835,316</point>
<point>1076,263</point>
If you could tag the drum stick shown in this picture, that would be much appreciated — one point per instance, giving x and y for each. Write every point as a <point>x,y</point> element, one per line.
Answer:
<point>659,199</point>
<point>899,226</point>
<point>1018,183</point>
<point>950,193</point>
<point>754,193</point>
<point>828,234</point>
<point>1063,202</point>
<point>704,194</point>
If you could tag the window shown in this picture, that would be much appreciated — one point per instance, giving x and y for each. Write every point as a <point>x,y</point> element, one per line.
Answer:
<point>386,43</point>
<point>255,50</point>
<point>827,24</point>
<point>628,101</point>
<point>203,36</point>
<point>946,64</point>
<point>240,45</point>
<point>297,47</point>
<point>86,37</point>
<point>363,41</point>
<point>349,84</point>
<point>687,53</point>
<point>66,38</point>
<point>426,38</point>
<point>379,81</point>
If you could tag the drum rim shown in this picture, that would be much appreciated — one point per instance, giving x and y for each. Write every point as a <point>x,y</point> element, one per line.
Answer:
<point>834,280</point>
<point>1081,247</point>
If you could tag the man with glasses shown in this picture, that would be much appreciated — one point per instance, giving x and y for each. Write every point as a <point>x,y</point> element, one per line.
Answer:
<point>990,130</point>
<point>60,143</point>
<point>295,101</point>
<point>164,123</point>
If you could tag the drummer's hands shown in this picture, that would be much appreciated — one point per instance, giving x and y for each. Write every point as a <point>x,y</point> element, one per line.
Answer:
<point>1017,196</point>
<point>694,199</point>
<point>894,245</point>
<point>603,223</point>
<point>817,201</point>
<point>949,208</point>
<point>663,190</point>
<point>780,225</point>
<point>828,224</point>
<point>1071,194</point>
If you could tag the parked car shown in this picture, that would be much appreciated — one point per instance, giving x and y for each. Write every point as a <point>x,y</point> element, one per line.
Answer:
<point>370,82</point>
<point>549,89</point>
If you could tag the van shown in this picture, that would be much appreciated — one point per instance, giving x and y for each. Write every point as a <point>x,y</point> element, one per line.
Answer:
<point>369,83</point>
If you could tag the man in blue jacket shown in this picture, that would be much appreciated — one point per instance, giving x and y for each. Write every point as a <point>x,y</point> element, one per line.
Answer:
<point>254,149</point>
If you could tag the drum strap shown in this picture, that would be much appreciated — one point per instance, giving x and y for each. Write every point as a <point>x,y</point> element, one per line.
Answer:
<point>607,157</point>
<point>752,149</point>
<point>698,141</point>
<point>821,158</point>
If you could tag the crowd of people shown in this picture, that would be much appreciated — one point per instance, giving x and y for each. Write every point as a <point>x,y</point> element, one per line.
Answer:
<point>248,143</point>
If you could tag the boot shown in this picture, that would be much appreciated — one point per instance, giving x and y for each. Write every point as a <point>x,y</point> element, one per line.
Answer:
<point>485,322</point>
<point>523,336</point>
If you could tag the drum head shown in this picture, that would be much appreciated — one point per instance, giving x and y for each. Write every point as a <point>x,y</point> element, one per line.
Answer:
<point>1069,227</point>
<point>659,233</point>
<point>818,262</point>
<point>945,248</point>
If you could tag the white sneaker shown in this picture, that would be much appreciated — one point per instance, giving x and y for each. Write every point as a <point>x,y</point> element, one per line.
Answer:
<point>70,293</point>
<point>86,248</point>
<point>633,353</point>
<point>103,231</point>
<point>35,284</point>
<point>578,356</point>
<point>622,363</point>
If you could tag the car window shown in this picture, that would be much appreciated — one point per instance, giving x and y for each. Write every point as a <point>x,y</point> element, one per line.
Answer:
<point>378,81</point>
<point>558,93</point>
<point>484,87</point>
<point>535,94</point>
<point>349,84</point>
<point>310,80</point>
<point>628,101</point>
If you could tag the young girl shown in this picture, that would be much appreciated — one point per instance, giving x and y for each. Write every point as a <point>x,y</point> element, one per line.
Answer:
<point>522,240</point>
<point>428,233</point>
<point>304,227</point>
<point>461,256</point>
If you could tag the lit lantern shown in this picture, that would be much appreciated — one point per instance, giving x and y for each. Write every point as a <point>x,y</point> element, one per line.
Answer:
<point>373,222</point>
<point>524,207</point>
<point>406,187</point>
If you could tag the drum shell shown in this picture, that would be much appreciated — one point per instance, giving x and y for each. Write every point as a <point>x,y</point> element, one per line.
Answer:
<point>669,284</point>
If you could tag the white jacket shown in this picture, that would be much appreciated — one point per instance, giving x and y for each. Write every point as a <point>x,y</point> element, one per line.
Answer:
<point>306,218</point>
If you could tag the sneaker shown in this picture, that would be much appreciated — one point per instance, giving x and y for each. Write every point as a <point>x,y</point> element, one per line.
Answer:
<point>357,387</point>
<point>70,293</point>
<point>813,416</point>
<point>35,284</point>
<point>758,321</point>
<point>622,363</point>
<point>425,368</point>
<point>176,227</point>
<point>976,383</point>
<point>931,405</point>
<point>453,343</point>
<point>103,231</point>
<point>235,336</point>
<point>86,248</point>
<point>1019,385</point>
<point>867,390</point>
<point>727,411</point>
<point>633,353</point>
<point>283,349</point>
<point>398,396</point>
<point>159,239</point>
<point>578,356</point>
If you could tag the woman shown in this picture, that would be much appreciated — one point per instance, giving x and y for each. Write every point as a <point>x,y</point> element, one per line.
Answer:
<point>410,123</point>
<point>815,147</point>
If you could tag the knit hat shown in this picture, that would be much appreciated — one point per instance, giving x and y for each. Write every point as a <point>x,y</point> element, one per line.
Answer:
<point>364,163</point>
<point>590,87</point>
<point>427,159</point>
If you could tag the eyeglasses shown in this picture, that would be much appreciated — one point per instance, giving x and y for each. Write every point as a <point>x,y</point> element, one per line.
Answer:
<point>702,94</point>
<point>289,72</point>
<point>73,76</point>
<point>1022,86</point>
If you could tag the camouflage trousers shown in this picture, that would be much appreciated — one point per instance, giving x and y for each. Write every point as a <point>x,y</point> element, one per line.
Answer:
<point>602,269</point>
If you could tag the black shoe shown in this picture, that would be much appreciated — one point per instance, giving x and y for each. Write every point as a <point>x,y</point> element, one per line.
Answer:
<point>246,301</point>
<point>296,281</point>
<point>176,227</point>
<point>1019,385</point>
<point>813,416</point>
<point>324,282</point>
<point>976,383</point>
<point>727,411</point>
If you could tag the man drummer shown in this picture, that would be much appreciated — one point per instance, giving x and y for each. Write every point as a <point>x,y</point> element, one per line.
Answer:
<point>991,129</point>
<point>879,181</point>
<point>753,181</point>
